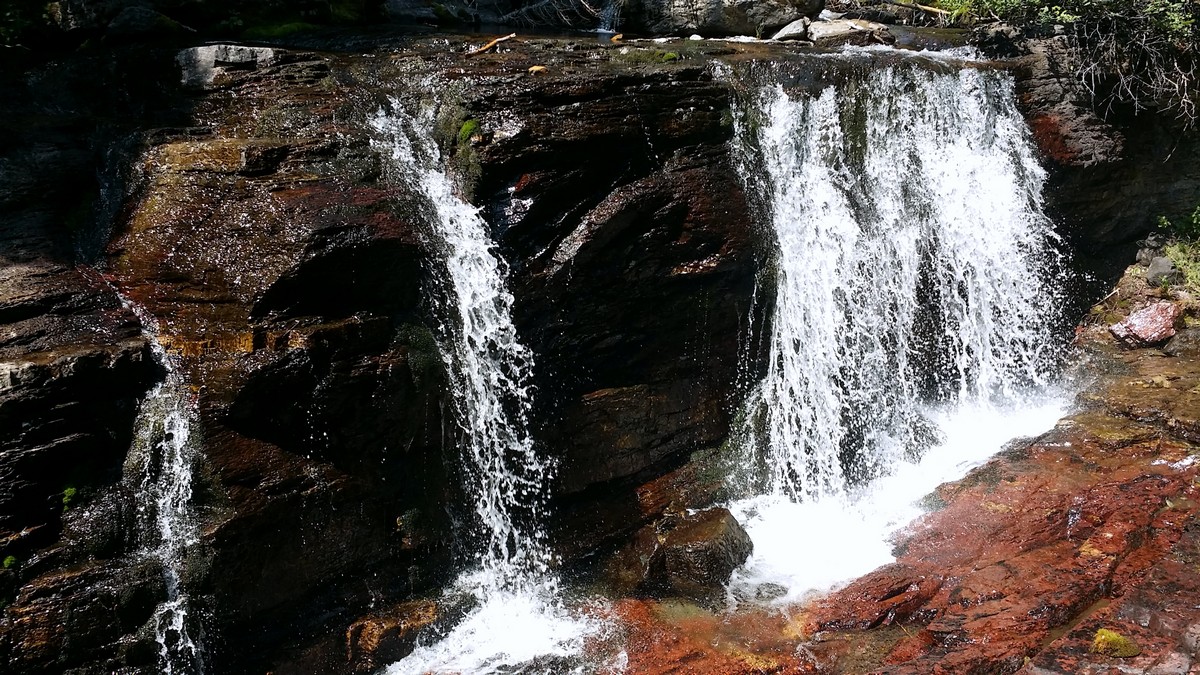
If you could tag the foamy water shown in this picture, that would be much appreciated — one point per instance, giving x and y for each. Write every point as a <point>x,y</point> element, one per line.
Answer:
<point>531,629</point>
<point>816,546</point>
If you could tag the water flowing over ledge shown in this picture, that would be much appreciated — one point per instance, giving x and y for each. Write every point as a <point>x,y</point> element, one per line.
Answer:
<point>511,578</point>
<point>917,287</point>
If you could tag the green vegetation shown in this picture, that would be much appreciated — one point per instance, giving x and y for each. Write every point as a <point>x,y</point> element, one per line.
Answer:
<point>1184,249</point>
<point>68,496</point>
<point>1141,52</point>
<point>638,56</point>
<point>10,562</point>
<point>467,130</point>
<point>1111,643</point>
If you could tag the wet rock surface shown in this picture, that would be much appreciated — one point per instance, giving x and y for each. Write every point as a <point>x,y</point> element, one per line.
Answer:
<point>685,555</point>
<point>1088,529</point>
<point>251,192</point>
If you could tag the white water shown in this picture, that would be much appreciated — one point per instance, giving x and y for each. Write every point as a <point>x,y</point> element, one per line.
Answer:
<point>914,301</point>
<point>165,455</point>
<point>520,615</point>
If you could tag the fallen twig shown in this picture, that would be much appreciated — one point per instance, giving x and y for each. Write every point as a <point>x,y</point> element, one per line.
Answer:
<point>491,44</point>
<point>913,5</point>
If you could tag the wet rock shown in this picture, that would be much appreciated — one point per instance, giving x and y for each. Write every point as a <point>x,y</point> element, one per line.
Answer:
<point>691,556</point>
<point>1162,271</point>
<point>142,22</point>
<point>1185,343</point>
<point>374,641</point>
<point>716,18</point>
<point>1151,325</point>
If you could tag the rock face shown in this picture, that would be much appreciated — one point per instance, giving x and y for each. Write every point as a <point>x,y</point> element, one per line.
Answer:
<point>288,278</point>
<point>715,18</point>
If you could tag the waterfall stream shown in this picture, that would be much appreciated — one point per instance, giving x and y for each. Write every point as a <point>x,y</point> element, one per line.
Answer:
<point>519,616</point>
<point>161,468</point>
<point>915,282</point>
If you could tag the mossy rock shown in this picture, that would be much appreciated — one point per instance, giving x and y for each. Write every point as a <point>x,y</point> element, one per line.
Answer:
<point>1111,643</point>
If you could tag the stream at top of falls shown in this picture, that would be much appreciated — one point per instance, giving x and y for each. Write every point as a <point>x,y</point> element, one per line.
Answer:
<point>915,289</point>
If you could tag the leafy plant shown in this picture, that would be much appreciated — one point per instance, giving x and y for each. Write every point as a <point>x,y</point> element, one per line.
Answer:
<point>10,562</point>
<point>68,496</point>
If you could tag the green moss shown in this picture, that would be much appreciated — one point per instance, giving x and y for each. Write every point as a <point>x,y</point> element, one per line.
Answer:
<point>1111,643</point>
<point>669,56</point>
<point>467,130</point>
<point>10,562</point>
<point>68,496</point>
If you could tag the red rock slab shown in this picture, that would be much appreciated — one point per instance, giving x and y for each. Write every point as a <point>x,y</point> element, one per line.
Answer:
<point>1026,545</point>
<point>1151,325</point>
<point>678,638</point>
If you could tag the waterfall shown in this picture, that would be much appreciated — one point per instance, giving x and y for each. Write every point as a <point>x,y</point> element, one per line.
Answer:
<point>160,469</point>
<point>520,616</point>
<point>914,279</point>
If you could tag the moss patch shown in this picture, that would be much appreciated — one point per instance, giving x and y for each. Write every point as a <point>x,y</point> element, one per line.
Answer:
<point>1111,643</point>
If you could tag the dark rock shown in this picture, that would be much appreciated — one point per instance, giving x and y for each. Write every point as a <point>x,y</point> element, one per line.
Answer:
<point>1162,271</point>
<point>1113,173</point>
<point>1185,343</point>
<point>715,18</point>
<point>142,23</point>
<point>701,552</point>
<point>1151,325</point>
<point>690,556</point>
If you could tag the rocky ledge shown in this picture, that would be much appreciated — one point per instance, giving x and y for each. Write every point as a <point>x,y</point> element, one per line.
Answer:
<point>235,194</point>
<point>1073,552</point>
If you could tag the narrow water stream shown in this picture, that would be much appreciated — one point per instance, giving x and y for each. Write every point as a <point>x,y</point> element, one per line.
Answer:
<point>509,577</point>
<point>160,470</point>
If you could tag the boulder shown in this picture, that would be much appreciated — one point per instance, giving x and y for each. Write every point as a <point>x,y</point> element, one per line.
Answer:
<point>1185,343</point>
<point>848,31</point>
<point>1162,271</point>
<point>691,556</point>
<point>796,30</point>
<point>716,18</point>
<point>1149,326</point>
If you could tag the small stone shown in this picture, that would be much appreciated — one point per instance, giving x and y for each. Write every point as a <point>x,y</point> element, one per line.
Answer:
<point>796,30</point>
<point>1112,643</point>
<point>1162,271</point>
<point>1151,325</point>
<point>1145,255</point>
<point>1185,343</point>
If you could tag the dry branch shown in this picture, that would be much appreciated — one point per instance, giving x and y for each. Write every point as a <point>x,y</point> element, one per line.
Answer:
<point>491,44</point>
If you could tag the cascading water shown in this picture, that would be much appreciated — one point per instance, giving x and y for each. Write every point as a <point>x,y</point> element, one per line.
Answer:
<point>913,290</point>
<point>161,473</point>
<point>520,616</point>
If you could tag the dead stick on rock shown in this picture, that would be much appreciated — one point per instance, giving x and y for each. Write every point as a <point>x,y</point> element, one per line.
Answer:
<point>913,5</point>
<point>491,44</point>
